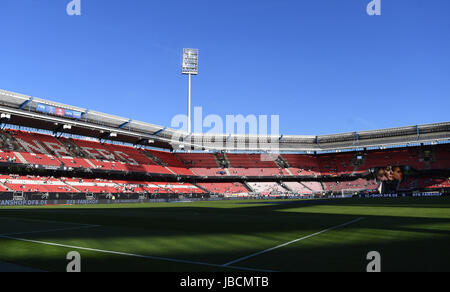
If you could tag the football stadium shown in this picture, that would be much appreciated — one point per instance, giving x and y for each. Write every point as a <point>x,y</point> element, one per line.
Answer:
<point>91,191</point>
<point>89,181</point>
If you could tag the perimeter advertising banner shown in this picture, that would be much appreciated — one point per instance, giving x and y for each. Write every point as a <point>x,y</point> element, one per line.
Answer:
<point>72,114</point>
<point>70,202</point>
<point>56,111</point>
<point>18,203</point>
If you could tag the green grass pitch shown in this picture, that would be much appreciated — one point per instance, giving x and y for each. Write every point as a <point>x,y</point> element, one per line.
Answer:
<point>411,234</point>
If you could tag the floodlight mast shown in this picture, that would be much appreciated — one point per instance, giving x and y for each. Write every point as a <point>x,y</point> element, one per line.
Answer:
<point>189,103</point>
<point>190,67</point>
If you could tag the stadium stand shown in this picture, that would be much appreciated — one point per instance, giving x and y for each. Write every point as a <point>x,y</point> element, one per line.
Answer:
<point>425,183</point>
<point>75,154</point>
<point>266,188</point>
<point>332,164</point>
<point>433,183</point>
<point>128,186</point>
<point>177,188</point>
<point>302,165</point>
<point>198,160</point>
<point>298,188</point>
<point>372,185</point>
<point>36,148</point>
<point>315,187</point>
<point>41,149</point>
<point>168,160</point>
<point>354,186</point>
<point>408,184</point>
<point>30,148</point>
<point>440,159</point>
<point>35,184</point>
<point>92,185</point>
<point>249,161</point>
<point>253,165</point>
<point>258,172</point>
<point>224,188</point>
<point>8,157</point>
<point>209,171</point>
<point>398,157</point>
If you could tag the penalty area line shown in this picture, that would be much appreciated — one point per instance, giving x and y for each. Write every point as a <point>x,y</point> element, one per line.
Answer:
<point>291,242</point>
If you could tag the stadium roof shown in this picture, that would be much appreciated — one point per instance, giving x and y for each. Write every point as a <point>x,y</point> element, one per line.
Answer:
<point>22,110</point>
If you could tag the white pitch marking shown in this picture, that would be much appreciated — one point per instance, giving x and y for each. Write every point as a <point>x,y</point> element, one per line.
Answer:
<point>290,242</point>
<point>134,255</point>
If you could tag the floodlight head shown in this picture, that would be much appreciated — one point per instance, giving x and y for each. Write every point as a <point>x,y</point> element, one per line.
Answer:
<point>190,61</point>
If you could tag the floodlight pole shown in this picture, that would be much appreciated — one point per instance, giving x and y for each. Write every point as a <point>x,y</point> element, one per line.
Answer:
<point>190,67</point>
<point>189,104</point>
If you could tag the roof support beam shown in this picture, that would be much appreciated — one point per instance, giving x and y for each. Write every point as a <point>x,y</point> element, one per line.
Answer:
<point>159,132</point>
<point>125,124</point>
<point>25,103</point>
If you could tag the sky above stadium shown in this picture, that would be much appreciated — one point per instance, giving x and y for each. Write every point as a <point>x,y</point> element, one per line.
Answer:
<point>323,66</point>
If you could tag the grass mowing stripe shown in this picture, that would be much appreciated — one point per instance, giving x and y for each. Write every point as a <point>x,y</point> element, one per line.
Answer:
<point>49,230</point>
<point>291,242</point>
<point>136,255</point>
<point>44,221</point>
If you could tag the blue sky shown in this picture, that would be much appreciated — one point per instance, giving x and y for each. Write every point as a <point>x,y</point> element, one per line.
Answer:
<point>324,66</point>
